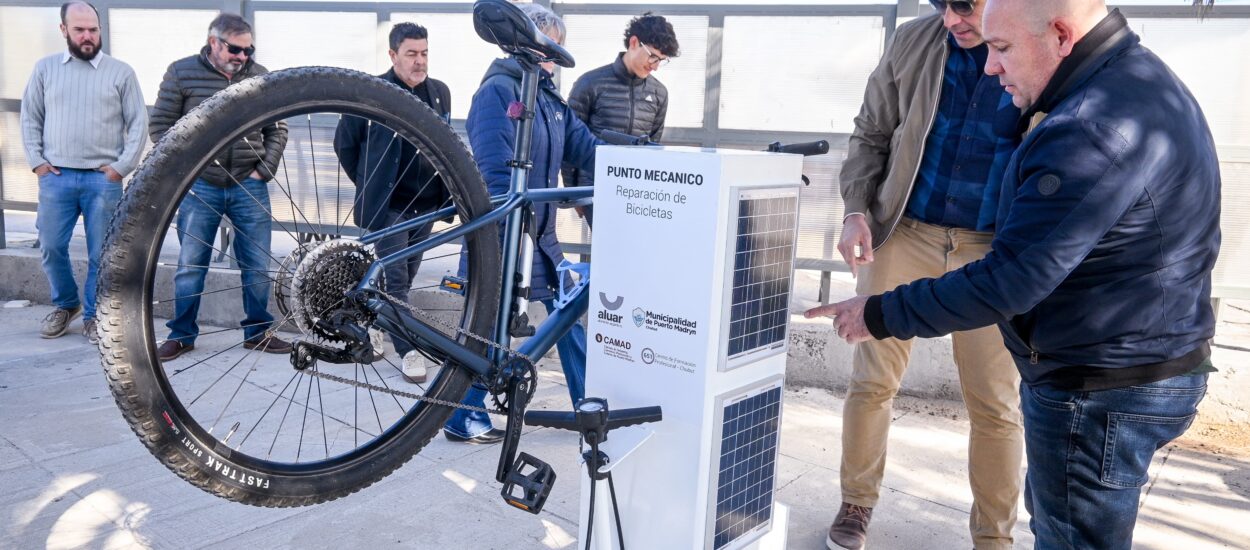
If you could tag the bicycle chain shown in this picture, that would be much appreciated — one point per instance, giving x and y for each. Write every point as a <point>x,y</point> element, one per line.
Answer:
<point>400,393</point>
<point>510,353</point>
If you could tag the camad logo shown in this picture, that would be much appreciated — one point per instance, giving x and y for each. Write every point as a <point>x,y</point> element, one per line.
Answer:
<point>613,342</point>
<point>640,316</point>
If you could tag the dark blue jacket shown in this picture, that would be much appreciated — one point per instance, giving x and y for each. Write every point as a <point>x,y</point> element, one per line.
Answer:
<point>1108,229</point>
<point>559,136</point>
<point>373,159</point>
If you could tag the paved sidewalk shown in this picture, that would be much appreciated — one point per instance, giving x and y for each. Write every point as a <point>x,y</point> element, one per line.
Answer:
<point>74,476</point>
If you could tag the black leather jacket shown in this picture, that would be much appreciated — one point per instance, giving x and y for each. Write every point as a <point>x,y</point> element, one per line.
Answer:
<point>612,98</point>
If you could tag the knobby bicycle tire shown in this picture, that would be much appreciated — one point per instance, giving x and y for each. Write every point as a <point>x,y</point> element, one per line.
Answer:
<point>129,263</point>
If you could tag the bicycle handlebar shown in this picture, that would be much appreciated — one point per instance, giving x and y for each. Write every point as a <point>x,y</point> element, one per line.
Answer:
<point>811,148</point>
<point>808,149</point>
<point>616,419</point>
<point>551,419</point>
<point>630,417</point>
<point>619,138</point>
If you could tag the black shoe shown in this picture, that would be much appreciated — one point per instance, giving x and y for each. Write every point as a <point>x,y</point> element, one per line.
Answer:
<point>268,343</point>
<point>489,437</point>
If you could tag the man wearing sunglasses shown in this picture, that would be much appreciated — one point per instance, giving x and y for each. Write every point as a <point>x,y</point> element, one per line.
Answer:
<point>233,187</point>
<point>624,96</point>
<point>921,184</point>
<point>1100,274</point>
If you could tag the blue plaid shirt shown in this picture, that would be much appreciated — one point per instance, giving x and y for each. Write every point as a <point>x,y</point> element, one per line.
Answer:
<point>973,137</point>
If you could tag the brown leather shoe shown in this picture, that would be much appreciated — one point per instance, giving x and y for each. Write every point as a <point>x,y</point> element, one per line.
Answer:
<point>850,528</point>
<point>171,349</point>
<point>268,343</point>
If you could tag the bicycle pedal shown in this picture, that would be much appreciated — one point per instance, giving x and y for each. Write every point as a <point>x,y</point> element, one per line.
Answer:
<point>454,285</point>
<point>528,484</point>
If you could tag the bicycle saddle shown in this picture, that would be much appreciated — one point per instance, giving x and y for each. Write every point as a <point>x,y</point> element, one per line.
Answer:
<point>505,25</point>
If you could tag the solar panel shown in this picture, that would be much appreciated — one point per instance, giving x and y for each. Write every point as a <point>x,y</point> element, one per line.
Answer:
<point>762,265</point>
<point>748,457</point>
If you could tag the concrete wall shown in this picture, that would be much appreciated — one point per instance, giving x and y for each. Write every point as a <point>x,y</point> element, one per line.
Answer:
<point>817,357</point>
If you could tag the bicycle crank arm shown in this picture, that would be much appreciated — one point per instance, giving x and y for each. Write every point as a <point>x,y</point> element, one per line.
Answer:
<point>527,481</point>
<point>517,395</point>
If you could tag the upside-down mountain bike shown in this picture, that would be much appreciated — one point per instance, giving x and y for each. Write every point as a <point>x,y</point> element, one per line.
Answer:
<point>333,416</point>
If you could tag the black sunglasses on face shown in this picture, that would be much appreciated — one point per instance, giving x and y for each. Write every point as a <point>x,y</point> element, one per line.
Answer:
<point>962,8</point>
<point>236,50</point>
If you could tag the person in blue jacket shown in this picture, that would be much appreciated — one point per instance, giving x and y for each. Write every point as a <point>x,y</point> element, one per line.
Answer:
<point>559,137</point>
<point>1099,276</point>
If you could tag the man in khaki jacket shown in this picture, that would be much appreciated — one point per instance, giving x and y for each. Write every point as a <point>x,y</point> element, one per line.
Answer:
<point>921,184</point>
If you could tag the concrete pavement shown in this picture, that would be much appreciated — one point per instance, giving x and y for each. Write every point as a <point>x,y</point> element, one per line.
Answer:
<point>74,476</point>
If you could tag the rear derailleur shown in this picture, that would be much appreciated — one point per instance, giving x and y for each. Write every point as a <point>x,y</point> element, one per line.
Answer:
<point>345,324</point>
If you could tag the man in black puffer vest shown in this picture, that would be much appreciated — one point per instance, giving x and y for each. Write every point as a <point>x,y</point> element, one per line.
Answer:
<point>233,186</point>
<point>395,183</point>
<point>623,96</point>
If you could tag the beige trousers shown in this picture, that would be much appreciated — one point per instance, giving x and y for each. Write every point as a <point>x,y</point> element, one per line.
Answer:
<point>987,376</point>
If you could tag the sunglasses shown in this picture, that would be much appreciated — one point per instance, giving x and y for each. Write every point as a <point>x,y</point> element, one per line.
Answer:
<point>236,50</point>
<point>962,8</point>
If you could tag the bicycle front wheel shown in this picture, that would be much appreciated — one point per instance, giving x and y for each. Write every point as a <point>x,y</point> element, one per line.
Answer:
<point>227,416</point>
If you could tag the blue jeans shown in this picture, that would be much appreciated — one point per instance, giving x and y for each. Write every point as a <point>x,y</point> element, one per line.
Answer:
<point>199,217</point>
<point>572,351</point>
<point>1088,453</point>
<point>61,200</point>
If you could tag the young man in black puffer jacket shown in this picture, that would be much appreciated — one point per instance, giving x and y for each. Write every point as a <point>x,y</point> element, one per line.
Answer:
<point>233,186</point>
<point>623,96</point>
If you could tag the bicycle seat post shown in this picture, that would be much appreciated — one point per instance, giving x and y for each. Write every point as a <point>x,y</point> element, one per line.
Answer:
<point>523,113</point>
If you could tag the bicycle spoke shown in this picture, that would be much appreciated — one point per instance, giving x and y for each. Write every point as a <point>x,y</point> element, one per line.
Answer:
<point>303,426</point>
<point>368,176</point>
<point>220,267</point>
<point>275,327</point>
<point>382,380</point>
<point>321,407</point>
<point>374,403</point>
<point>216,291</point>
<point>210,386</point>
<point>289,402</point>
<point>219,331</point>
<point>223,253</point>
<point>312,150</point>
<point>268,210</point>
<point>356,406</point>
<point>238,233</point>
<point>236,390</point>
<point>387,201</point>
<point>276,398</point>
<point>338,186</point>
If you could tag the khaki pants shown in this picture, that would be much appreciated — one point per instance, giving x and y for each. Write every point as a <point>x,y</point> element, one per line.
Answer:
<point>987,376</point>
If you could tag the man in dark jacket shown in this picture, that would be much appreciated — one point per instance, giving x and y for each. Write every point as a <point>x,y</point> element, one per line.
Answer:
<point>623,96</point>
<point>558,136</point>
<point>920,184</point>
<point>233,186</point>
<point>393,182</point>
<point>1099,276</point>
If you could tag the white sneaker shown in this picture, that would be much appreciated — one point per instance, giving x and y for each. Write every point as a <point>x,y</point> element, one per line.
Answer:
<point>414,367</point>
<point>377,339</point>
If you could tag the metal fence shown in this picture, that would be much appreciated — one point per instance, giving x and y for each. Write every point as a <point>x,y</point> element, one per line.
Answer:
<point>749,74</point>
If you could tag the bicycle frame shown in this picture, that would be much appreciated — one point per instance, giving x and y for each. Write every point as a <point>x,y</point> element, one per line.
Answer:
<point>512,208</point>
